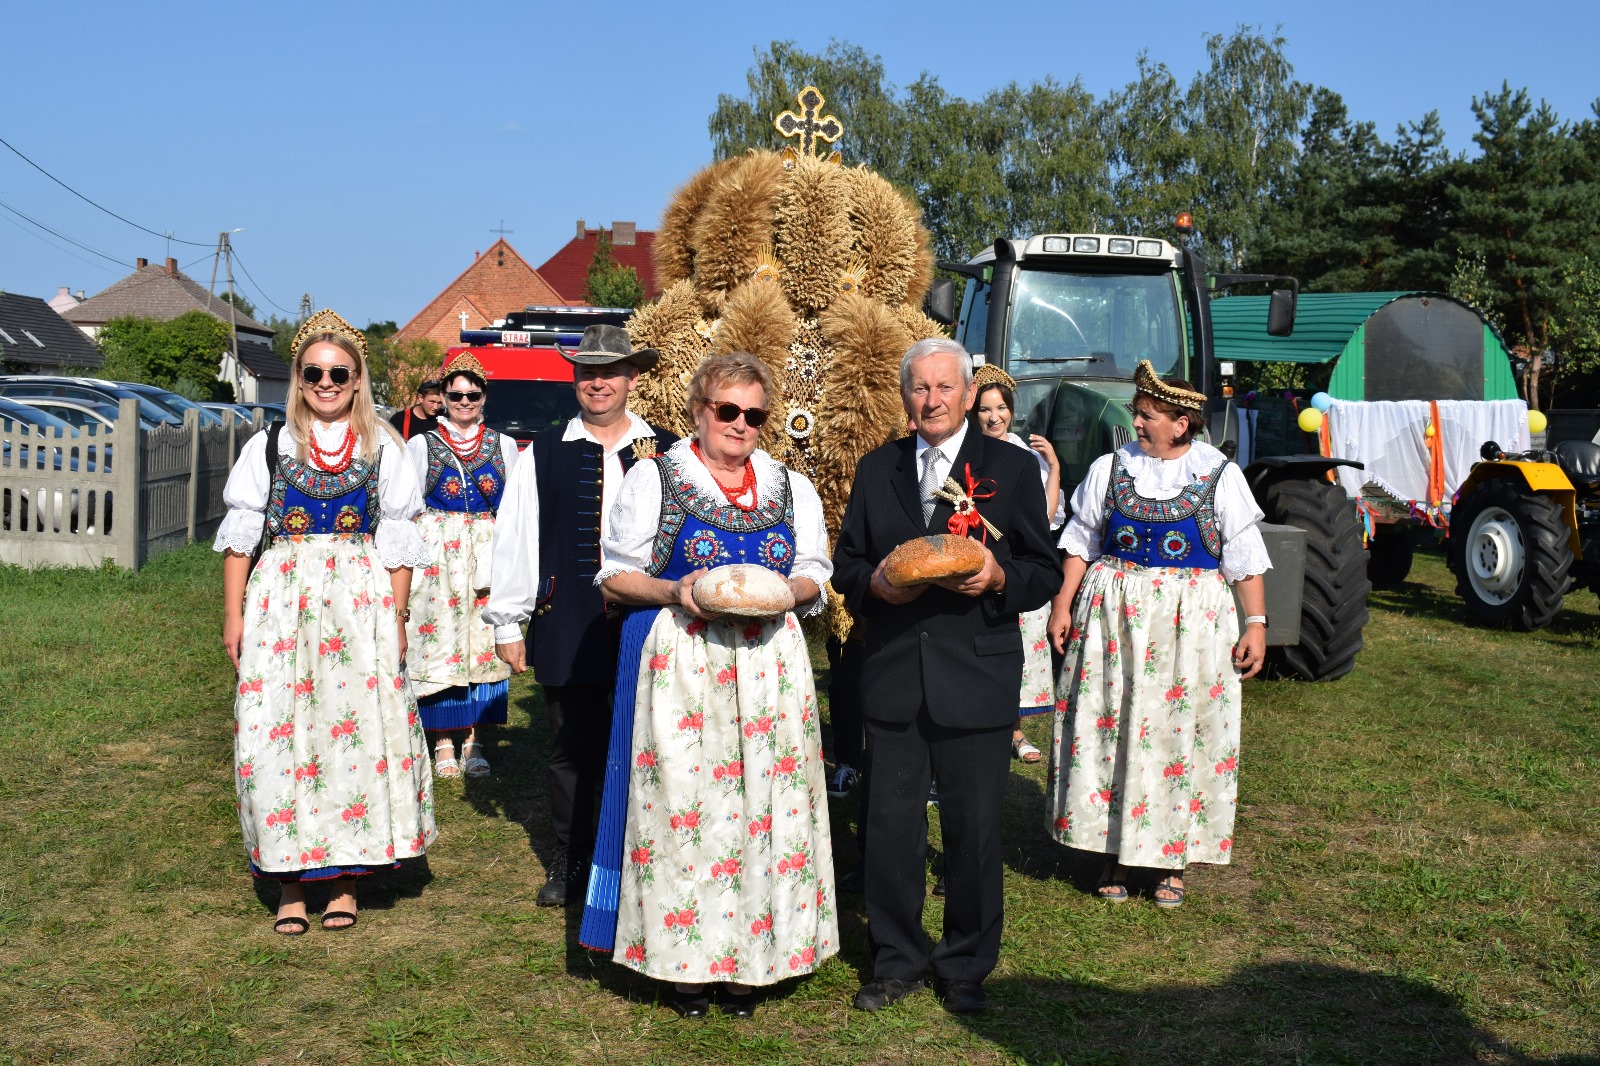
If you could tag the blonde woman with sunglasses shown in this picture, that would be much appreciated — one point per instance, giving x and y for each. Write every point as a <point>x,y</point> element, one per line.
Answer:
<point>330,763</point>
<point>462,466</point>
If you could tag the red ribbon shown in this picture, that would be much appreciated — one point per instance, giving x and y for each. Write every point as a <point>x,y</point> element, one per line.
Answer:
<point>967,517</point>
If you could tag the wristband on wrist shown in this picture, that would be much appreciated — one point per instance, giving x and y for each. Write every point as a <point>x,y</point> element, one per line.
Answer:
<point>1255,618</point>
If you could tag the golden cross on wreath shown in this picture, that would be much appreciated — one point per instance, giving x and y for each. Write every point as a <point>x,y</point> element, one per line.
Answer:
<point>810,124</point>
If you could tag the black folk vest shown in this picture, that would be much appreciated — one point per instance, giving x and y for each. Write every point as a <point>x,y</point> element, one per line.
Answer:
<point>568,633</point>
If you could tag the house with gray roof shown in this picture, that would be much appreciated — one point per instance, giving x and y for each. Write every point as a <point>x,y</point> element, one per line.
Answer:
<point>165,292</point>
<point>36,340</point>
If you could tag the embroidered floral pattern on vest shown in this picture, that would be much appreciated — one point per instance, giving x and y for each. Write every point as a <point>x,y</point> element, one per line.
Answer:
<point>1197,501</point>
<point>680,498</point>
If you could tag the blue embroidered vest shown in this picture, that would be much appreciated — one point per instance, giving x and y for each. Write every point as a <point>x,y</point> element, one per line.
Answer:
<point>453,486</point>
<point>307,501</point>
<point>1180,532</point>
<point>697,531</point>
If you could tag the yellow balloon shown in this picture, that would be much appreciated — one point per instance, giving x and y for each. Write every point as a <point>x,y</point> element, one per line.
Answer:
<point>1537,422</point>
<point>1310,420</point>
<point>1428,430</point>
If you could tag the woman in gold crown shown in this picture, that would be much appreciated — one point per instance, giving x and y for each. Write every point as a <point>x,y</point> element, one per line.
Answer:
<point>1145,760</point>
<point>331,768</point>
<point>462,466</point>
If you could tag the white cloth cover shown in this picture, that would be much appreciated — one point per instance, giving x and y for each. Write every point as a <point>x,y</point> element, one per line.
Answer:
<point>1388,437</point>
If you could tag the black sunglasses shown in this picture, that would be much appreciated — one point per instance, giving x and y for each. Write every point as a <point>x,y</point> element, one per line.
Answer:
<point>311,374</point>
<point>464,397</point>
<point>754,417</point>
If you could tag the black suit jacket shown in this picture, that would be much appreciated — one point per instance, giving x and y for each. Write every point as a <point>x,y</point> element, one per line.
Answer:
<point>960,655</point>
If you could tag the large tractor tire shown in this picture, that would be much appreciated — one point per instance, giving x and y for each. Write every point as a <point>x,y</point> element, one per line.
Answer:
<point>1389,556</point>
<point>1333,605</point>
<point>1511,556</point>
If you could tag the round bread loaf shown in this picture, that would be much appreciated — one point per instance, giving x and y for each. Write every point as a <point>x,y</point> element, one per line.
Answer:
<point>925,559</point>
<point>743,589</point>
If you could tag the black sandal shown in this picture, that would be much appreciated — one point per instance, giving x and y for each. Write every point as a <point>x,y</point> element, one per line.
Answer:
<point>291,926</point>
<point>335,915</point>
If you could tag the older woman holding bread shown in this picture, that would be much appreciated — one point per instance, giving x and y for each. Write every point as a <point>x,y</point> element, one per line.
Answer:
<point>713,864</point>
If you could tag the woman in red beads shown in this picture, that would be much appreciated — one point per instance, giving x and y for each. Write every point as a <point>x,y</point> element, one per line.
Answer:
<point>462,466</point>
<point>713,864</point>
<point>331,767</point>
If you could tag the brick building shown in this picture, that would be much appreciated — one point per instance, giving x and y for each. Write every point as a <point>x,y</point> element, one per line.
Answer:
<point>499,280</point>
<point>568,270</point>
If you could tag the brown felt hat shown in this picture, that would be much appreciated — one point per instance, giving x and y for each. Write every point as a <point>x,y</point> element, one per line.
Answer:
<point>608,344</point>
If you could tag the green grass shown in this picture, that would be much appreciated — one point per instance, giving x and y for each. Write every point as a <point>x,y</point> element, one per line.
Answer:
<point>1415,879</point>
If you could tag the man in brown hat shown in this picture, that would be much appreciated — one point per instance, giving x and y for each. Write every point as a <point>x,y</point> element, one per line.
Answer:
<point>546,555</point>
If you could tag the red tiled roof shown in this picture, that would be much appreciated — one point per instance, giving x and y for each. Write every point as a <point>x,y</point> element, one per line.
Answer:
<point>568,269</point>
<point>499,281</point>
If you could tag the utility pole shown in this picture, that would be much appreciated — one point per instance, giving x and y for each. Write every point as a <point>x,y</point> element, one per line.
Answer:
<point>233,322</point>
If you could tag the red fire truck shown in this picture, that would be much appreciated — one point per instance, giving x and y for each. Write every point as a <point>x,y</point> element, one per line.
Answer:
<point>530,384</point>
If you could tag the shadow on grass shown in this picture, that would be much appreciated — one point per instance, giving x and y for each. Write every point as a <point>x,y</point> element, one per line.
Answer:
<point>518,788</point>
<point>1280,1012</point>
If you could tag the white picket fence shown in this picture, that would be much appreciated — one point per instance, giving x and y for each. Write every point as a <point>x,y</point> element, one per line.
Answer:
<point>122,495</point>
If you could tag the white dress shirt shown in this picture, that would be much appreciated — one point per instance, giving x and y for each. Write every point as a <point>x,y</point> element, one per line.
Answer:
<point>947,454</point>
<point>399,499</point>
<point>637,518</point>
<point>514,568</point>
<point>1243,552</point>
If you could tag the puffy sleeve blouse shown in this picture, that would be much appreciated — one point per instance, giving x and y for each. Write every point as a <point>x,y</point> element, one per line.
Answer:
<point>636,517</point>
<point>399,500</point>
<point>1244,554</point>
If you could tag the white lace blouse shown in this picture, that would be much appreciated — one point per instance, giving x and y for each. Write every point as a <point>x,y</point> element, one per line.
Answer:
<point>1243,552</point>
<point>417,450</point>
<point>1044,478</point>
<point>399,499</point>
<point>636,516</point>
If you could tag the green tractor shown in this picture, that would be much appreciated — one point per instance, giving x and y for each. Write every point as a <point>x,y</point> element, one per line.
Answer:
<point>1070,315</point>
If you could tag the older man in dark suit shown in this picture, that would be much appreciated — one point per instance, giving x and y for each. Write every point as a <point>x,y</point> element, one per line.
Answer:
<point>940,673</point>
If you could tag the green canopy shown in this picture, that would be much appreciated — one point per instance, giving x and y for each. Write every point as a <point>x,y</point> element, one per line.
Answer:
<point>1323,324</point>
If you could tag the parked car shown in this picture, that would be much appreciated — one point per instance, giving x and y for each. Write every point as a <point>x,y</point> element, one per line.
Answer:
<point>80,413</point>
<point>28,457</point>
<point>172,401</point>
<point>270,412</point>
<point>18,386</point>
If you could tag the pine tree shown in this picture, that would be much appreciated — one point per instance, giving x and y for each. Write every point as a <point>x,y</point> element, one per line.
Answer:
<point>611,284</point>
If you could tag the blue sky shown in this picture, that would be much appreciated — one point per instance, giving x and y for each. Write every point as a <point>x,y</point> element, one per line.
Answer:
<point>367,150</point>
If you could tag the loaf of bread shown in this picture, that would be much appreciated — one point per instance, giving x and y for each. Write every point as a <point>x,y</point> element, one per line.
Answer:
<point>743,589</point>
<point>925,559</point>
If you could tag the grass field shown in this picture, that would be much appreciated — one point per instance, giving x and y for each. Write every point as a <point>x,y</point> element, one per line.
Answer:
<point>1415,879</point>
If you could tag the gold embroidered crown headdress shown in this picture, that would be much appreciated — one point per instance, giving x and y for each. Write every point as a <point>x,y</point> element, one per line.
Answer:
<point>1146,381</point>
<point>326,321</point>
<point>989,374</point>
<point>463,361</point>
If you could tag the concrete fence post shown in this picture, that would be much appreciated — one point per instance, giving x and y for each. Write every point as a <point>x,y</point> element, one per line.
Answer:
<point>129,539</point>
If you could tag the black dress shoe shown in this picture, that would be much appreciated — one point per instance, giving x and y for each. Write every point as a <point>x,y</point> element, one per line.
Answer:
<point>961,997</point>
<point>557,882</point>
<point>689,1004</point>
<point>938,886</point>
<point>876,995</point>
<point>737,1004</point>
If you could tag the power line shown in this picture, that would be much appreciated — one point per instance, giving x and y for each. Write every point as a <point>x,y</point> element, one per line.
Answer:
<point>91,203</point>
<point>259,290</point>
<point>57,247</point>
<point>57,233</point>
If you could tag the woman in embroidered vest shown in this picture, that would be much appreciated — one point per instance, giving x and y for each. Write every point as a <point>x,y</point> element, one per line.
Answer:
<point>993,412</point>
<point>331,765</point>
<point>714,824</point>
<point>1145,761</point>
<point>462,465</point>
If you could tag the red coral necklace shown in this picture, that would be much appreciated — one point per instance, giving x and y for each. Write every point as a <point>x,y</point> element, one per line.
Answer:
<point>746,488</point>
<point>468,452</point>
<point>334,460</point>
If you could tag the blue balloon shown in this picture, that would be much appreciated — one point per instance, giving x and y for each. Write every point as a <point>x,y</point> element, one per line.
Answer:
<point>1322,401</point>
